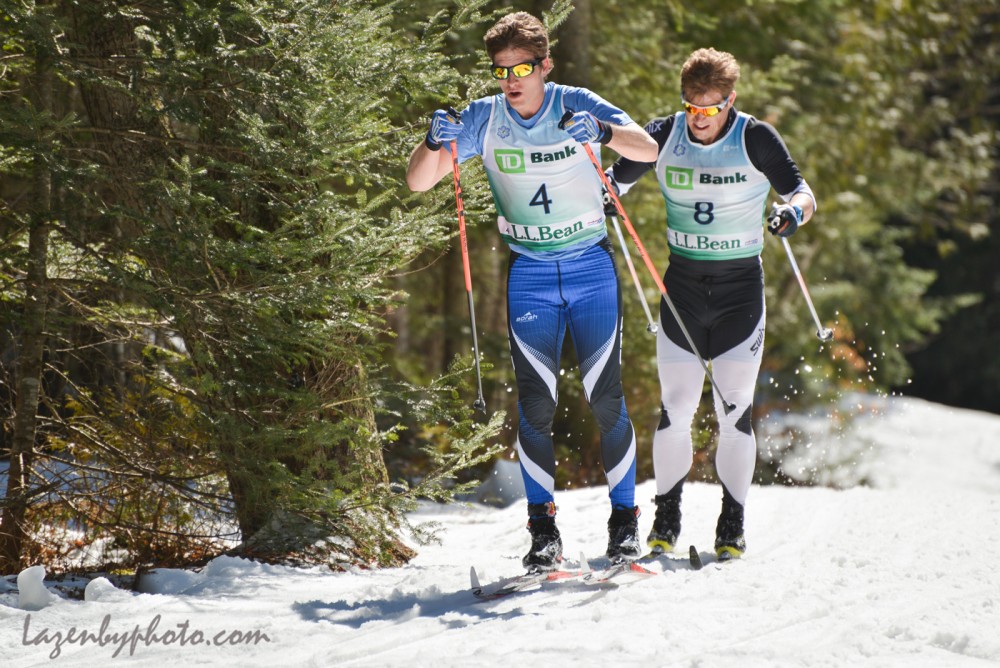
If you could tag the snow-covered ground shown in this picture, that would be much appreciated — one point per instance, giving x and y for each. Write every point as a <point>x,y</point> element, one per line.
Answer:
<point>901,574</point>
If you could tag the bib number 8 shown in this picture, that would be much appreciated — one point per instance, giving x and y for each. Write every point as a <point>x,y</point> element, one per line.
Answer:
<point>703,213</point>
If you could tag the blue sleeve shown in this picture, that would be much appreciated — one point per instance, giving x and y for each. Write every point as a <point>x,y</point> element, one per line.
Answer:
<point>475,118</point>
<point>582,99</point>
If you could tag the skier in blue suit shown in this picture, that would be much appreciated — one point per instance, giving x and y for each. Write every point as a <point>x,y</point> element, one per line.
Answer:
<point>561,273</point>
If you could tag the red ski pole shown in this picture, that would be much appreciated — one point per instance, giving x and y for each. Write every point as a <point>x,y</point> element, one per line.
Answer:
<point>480,403</point>
<point>728,407</point>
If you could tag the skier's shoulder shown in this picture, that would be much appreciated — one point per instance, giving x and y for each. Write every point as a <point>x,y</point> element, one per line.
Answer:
<point>660,127</point>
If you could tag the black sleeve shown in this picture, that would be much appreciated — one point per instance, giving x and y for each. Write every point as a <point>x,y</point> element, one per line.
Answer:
<point>768,153</point>
<point>627,172</point>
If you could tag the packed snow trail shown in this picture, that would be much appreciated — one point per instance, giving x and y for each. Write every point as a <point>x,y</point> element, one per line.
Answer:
<point>898,573</point>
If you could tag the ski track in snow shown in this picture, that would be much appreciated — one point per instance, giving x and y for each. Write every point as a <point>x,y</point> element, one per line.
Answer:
<point>901,574</point>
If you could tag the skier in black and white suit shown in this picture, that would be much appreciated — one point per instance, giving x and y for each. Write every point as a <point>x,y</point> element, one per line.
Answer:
<point>715,168</point>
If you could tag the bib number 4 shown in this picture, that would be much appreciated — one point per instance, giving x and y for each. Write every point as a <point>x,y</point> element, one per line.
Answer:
<point>541,199</point>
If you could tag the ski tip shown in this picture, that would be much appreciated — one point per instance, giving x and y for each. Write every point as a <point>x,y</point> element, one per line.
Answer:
<point>639,568</point>
<point>695,558</point>
<point>474,578</point>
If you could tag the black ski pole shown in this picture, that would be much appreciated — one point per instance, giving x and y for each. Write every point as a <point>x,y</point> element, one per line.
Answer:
<point>652,326</point>
<point>822,333</point>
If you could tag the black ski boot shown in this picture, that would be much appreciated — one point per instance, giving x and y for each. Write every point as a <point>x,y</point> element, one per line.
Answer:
<point>623,533</point>
<point>667,522</point>
<point>546,545</point>
<point>729,540</point>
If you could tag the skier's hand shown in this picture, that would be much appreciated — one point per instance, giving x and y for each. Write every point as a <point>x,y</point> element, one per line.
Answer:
<point>784,219</point>
<point>584,127</point>
<point>609,204</point>
<point>446,125</point>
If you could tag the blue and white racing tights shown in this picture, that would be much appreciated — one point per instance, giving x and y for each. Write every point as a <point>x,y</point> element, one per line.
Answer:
<point>543,299</point>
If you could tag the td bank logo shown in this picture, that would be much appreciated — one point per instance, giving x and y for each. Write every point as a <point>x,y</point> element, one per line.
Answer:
<point>509,161</point>
<point>679,178</point>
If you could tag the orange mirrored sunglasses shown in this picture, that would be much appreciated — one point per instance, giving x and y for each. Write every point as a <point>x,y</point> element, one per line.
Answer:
<point>711,110</point>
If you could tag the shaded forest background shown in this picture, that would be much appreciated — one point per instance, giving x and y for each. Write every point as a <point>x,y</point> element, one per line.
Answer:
<point>227,325</point>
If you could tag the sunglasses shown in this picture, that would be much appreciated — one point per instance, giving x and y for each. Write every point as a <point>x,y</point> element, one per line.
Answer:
<point>520,70</point>
<point>711,110</point>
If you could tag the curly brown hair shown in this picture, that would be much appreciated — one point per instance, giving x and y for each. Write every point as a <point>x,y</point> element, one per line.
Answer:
<point>519,30</point>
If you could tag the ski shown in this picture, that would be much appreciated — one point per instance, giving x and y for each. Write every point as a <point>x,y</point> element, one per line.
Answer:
<point>511,585</point>
<point>532,581</point>
<point>617,572</point>
<point>694,559</point>
<point>616,569</point>
<point>699,561</point>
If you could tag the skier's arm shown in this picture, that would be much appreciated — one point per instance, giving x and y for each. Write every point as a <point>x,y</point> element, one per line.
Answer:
<point>427,167</point>
<point>597,117</point>
<point>431,158</point>
<point>768,153</point>
<point>626,171</point>
<point>632,142</point>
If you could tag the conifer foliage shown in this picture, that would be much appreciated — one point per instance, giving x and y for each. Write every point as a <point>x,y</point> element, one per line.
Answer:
<point>199,215</point>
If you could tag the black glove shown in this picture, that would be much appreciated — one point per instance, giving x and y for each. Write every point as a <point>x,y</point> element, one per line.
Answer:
<point>609,204</point>
<point>784,219</point>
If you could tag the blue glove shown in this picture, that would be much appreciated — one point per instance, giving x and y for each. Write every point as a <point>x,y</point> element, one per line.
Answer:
<point>445,126</point>
<point>784,219</point>
<point>584,127</point>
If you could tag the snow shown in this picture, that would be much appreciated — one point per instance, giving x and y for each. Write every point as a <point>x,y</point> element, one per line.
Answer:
<point>32,593</point>
<point>899,574</point>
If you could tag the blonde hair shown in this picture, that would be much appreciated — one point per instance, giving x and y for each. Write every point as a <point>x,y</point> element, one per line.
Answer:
<point>519,30</point>
<point>709,70</point>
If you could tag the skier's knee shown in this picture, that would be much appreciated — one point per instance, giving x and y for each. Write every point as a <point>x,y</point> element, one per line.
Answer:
<point>664,419</point>
<point>539,412</point>
<point>609,411</point>
<point>744,424</point>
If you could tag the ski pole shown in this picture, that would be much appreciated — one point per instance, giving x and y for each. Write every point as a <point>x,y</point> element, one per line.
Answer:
<point>480,403</point>
<point>656,277</point>
<point>651,327</point>
<point>823,333</point>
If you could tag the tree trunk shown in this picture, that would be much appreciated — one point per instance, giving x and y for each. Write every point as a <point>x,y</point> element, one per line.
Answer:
<point>108,42</point>
<point>29,359</point>
<point>572,52</point>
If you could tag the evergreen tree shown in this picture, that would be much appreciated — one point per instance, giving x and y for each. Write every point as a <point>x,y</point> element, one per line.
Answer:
<point>229,189</point>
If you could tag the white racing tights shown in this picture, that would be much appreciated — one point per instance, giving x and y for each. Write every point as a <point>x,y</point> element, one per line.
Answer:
<point>682,379</point>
